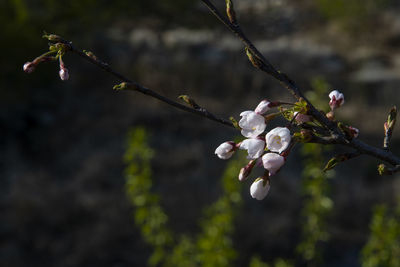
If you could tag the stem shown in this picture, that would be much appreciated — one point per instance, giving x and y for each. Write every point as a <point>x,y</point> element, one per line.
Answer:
<point>132,85</point>
<point>337,136</point>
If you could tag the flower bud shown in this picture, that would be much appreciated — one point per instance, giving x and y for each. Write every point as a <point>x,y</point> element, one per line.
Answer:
<point>225,150</point>
<point>263,107</point>
<point>272,162</point>
<point>259,189</point>
<point>337,99</point>
<point>29,67</point>
<point>246,170</point>
<point>64,75</point>
<point>353,131</point>
<point>230,12</point>
<point>330,115</point>
<point>302,118</point>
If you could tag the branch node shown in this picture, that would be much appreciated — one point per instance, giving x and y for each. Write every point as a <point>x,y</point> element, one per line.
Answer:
<point>389,127</point>
<point>384,170</point>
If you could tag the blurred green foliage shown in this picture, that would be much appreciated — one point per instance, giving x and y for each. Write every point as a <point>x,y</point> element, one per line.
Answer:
<point>317,204</point>
<point>149,215</point>
<point>383,246</point>
<point>318,94</point>
<point>212,246</point>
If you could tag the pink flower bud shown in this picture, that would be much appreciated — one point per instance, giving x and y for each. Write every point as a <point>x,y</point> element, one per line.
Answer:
<point>225,150</point>
<point>246,170</point>
<point>29,67</point>
<point>353,131</point>
<point>273,162</point>
<point>263,107</point>
<point>302,118</point>
<point>64,75</point>
<point>337,99</point>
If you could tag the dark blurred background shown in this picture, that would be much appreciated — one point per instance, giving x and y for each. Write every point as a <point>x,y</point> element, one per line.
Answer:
<point>62,200</point>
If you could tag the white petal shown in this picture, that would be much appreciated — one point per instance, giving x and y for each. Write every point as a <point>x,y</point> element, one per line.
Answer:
<point>263,107</point>
<point>255,147</point>
<point>278,139</point>
<point>245,113</point>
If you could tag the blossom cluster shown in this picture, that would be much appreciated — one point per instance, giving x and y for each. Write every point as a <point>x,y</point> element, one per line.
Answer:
<point>265,150</point>
<point>270,149</point>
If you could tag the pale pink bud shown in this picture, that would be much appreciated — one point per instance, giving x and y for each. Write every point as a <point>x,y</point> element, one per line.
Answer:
<point>246,170</point>
<point>353,131</point>
<point>259,188</point>
<point>64,75</point>
<point>263,107</point>
<point>272,162</point>
<point>254,146</point>
<point>252,124</point>
<point>225,150</point>
<point>337,99</point>
<point>29,67</point>
<point>302,118</point>
<point>278,139</point>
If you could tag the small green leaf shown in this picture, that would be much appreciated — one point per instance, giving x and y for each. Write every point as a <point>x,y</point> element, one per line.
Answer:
<point>235,123</point>
<point>253,58</point>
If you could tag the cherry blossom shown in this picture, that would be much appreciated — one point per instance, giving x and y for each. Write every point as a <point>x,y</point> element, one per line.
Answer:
<point>254,146</point>
<point>252,124</point>
<point>278,139</point>
<point>272,162</point>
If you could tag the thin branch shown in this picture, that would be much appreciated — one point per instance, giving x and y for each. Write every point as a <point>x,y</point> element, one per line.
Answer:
<point>336,136</point>
<point>383,169</point>
<point>132,85</point>
<point>263,64</point>
<point>268,68</point>
<point>340,158</point>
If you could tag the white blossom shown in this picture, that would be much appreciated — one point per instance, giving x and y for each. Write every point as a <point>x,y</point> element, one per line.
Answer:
<point>252,124</point>
<point>254,146</point>
<point>337,99</point>
<point>272,162</point>
<point>263,107</point>
<point>259,189</point>
<point>278,139</point>
<point>225,150</point>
